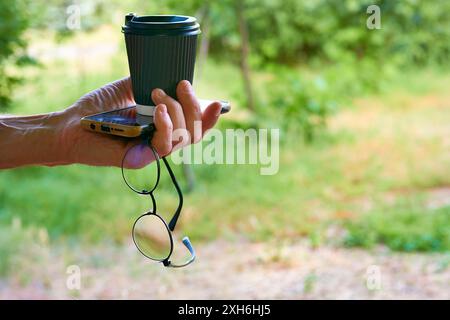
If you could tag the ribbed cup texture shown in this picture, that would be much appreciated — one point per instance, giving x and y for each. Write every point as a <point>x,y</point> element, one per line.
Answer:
<point>159,62</point>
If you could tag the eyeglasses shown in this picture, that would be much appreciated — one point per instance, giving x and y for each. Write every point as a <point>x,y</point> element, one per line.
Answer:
<point>151,234</point>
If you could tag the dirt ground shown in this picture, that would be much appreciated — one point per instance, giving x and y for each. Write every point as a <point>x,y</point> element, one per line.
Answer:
<point>234,270</point>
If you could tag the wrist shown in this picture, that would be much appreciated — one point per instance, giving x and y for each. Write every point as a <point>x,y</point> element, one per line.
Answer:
<point>32,140</point>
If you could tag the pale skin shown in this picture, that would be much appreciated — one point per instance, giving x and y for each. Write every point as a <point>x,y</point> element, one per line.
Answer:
<point>57,138</point>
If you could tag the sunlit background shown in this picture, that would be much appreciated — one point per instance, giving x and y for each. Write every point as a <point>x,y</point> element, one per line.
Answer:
<point>360,207</point>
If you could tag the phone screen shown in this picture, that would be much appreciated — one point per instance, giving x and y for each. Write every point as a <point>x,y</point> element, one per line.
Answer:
<point>126,116</point>
<point>129,116</point>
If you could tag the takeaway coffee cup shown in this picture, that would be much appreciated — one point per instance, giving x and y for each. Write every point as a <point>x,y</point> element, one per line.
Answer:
<point>161,52</point>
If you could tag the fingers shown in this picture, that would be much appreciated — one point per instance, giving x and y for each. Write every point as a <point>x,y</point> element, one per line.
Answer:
<point>173,108</point>
<point>191,109</point>
<point>184,118</point>
<point>162,138</point>
<point>210,116</point>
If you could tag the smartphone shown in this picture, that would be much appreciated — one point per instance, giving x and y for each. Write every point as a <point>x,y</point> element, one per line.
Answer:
<point>128,123</point>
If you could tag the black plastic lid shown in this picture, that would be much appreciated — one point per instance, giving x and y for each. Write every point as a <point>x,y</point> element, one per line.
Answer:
<point>160,25</point>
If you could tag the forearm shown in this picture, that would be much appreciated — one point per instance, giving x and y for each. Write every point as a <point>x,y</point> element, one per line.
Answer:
<point>31,140</point>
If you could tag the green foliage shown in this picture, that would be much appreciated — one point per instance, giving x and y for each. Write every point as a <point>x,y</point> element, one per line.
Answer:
<point>291,31</point>
<point>328,36</point>
<point>412,32</point>
<point>299,104</point>
<point>13,22</point>
<point>73,206</point>
<point>404,227</point>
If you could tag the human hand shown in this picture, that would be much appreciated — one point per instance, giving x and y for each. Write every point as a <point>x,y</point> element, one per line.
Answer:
<point>97,149</point>
<point>58,138</point>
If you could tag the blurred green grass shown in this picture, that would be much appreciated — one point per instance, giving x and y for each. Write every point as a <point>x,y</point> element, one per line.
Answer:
<point>392,145</point>
<point>405,226</point>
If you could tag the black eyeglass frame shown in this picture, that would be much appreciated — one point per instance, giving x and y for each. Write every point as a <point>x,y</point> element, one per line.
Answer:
<point>173,221</point>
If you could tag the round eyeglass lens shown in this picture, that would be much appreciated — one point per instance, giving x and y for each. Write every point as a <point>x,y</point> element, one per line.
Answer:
<point>139,168</point>
<point>152,237</point>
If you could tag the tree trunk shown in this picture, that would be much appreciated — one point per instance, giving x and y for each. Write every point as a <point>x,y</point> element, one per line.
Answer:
<point>189,176</point>
<point>204,44</point>
<point>203,15</point>
<point>245,49</point>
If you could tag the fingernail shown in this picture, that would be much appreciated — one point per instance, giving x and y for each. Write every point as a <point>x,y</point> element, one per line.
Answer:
<point>186,86</point>
<point>162,109</point>
<point>158,93</point>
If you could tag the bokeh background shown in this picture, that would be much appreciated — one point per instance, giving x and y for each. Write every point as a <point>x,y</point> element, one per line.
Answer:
<point>363,191</point>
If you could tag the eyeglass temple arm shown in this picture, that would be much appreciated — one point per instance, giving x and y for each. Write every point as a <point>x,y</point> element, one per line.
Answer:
<point>191,249</point>
<point>175,217</point>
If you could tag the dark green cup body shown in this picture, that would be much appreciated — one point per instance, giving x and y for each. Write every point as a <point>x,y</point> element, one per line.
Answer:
<point>161,52</point>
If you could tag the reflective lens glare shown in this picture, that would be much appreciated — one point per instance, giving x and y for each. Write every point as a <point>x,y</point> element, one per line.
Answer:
<point>152,237</point>
<point>138,174</point>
